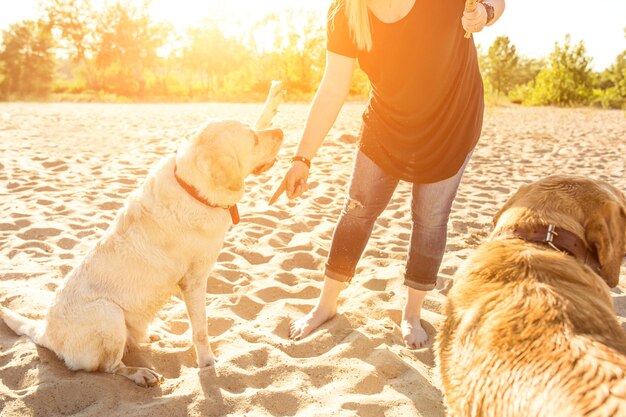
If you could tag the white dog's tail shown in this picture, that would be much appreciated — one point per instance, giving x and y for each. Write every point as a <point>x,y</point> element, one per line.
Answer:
<point>24,326</point>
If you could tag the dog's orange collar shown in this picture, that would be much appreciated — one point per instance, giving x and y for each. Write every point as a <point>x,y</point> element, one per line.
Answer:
<point>193,192</point>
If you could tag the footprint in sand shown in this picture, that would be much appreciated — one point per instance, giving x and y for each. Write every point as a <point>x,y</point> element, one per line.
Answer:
<point>271,294</point>
<point>126,181</point>
<point>280,239</point>
<point>376,284</point>
<point>226,256</point>
<point>245,307</point>
<point>218,285</point>
<point>286,278</point>
<point>44,202</point>
<point>84,233</point>
<point>35,248</point>
<point>277,403</point>
<point>110,205</point>
<point>219,325</point>
<point>369,385</point>
<point>262,220</point>
<point>8,226</point>
<point>256,258</point>
<point>303,260</point>
<point>37,233</point>
<point>252,360</point>
<point>323,200</point>
<point>231,271</point>
<point>67,243</point>
<point>65,269</point>
<point>178,327</point>
<point>53,164</point>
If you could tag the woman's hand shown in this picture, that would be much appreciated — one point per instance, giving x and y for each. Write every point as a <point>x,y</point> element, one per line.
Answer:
<point>295,182</point>
<point>474,21</point>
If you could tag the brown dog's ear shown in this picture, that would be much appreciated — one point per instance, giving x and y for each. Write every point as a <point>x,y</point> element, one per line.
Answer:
<point>516,196</point>
<point>605,231</point>
<point>504,208</point>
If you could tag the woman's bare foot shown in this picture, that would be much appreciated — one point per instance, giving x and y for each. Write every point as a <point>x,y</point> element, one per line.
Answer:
<point>302,327</point>
<point>325,309</point>
<point>413,333</point>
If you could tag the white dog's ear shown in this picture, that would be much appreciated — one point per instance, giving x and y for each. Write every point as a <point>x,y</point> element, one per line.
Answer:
<point>191,134</point>
<point>605,230</point>
<point>225,172</point>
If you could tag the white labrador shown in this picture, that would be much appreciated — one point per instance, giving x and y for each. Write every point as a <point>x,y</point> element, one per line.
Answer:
<point>166,237</point>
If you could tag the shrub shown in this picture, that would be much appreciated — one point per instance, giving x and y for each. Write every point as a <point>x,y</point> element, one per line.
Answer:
<point>566,80</point>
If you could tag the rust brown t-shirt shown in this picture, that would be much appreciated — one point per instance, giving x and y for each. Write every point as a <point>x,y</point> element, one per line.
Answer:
<point>425,109</point>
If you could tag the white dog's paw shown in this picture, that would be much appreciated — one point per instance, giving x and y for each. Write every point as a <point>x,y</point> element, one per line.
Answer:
<point>143,377</point>
<point>208,360</point>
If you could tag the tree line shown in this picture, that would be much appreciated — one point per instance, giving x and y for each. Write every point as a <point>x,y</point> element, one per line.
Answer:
<point>564,78</point>
<point>120,52</point>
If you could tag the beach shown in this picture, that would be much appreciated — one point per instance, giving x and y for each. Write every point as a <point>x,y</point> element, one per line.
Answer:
<point>66,169</point>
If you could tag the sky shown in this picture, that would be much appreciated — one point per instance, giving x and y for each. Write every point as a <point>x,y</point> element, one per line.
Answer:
<point>533,26</point>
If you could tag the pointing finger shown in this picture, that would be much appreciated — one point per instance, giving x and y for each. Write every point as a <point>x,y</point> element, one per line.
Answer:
<point>278,192</point>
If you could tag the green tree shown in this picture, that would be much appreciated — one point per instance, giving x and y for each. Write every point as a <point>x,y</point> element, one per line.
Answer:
<point>567,79</point>
<point>209,56</point>
<point>125,48</point>
<point>502,65</point>
<point>610,85</point>
<point>73,23</point>
<point>528,69</point>
<point>616,74</point>
<point>302,51</point>
<point>27,60</point>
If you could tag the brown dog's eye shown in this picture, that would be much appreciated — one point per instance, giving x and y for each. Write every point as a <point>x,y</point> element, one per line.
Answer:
<point>256,139</point>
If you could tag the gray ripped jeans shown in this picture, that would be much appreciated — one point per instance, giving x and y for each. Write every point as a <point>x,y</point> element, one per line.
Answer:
<point>370,192</point>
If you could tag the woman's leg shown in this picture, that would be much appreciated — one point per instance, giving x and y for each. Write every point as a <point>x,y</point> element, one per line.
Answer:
<point>370,192</point>
<point>430,210</point>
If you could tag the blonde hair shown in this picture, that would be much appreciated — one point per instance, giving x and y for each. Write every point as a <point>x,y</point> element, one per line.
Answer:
<point>358,22</point>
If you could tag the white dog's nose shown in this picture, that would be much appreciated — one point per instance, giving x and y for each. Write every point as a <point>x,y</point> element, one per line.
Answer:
<point>277,133</point>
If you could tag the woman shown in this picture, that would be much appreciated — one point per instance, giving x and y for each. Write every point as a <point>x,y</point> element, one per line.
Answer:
<point>422,121</point>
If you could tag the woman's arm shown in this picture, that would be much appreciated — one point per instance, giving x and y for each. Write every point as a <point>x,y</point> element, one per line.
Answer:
<point>324,109</point>
<point>327,102</point>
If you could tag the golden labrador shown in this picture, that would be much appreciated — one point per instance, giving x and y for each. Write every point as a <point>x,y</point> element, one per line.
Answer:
<point>530,327</point>
<point>166,238</point>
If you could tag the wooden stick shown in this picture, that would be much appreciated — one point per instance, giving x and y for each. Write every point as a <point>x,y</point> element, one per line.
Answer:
<point>270,108</point>
<point>470,6</point>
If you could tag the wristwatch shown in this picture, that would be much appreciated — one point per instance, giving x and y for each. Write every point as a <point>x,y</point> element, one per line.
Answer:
<point>306,161</point>
<point>489,8</point>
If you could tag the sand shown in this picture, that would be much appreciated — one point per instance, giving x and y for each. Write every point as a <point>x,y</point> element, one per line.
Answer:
<point>65,169</point>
